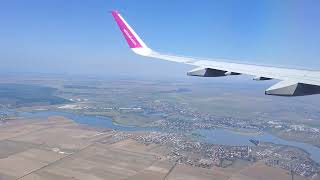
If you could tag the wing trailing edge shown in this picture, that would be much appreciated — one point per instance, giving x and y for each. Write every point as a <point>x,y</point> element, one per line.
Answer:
<point>294,82</point>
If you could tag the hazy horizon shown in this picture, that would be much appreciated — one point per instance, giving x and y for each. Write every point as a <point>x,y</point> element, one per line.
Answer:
<point>80,37</point>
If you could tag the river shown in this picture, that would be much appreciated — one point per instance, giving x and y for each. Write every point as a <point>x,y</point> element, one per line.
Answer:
<point>215,136</point>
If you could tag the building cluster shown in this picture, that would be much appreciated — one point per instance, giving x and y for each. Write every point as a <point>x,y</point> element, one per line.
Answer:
<point>182,117</point>
<point>179,119</point>
<point>206,155</point>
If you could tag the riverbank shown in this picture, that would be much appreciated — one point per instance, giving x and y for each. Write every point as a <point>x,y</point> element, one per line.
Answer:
<point>59,148</point>
<point>215,136</point>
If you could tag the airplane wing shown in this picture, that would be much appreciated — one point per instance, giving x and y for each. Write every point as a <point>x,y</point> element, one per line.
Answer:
<point>293,82</point>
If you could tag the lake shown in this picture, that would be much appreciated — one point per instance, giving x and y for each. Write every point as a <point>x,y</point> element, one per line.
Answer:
<point>214,136</point>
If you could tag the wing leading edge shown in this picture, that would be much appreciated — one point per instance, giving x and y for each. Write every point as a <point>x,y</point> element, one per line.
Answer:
<point>293,82</point>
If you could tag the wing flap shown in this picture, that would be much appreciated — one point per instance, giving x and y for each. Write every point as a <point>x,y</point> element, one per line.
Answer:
<point>293,81</point>
<point>292,88</point>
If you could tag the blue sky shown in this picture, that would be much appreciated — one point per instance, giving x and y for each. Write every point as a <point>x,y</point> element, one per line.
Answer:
<point>80,37</point>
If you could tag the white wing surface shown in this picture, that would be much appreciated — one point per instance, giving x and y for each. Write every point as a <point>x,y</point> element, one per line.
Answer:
<point>293,82</point>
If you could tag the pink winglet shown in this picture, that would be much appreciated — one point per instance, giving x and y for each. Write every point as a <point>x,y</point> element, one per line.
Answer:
<point>130,38</point>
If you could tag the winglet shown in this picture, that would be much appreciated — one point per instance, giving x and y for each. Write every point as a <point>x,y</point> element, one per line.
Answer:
<point>133,40</point>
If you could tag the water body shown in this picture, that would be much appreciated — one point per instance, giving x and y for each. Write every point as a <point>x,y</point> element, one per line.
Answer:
<point>91,120</point>
<point>215,136</point>
<point>228,137</point>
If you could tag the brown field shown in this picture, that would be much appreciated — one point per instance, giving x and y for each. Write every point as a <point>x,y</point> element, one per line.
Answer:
<point>58,148</point>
